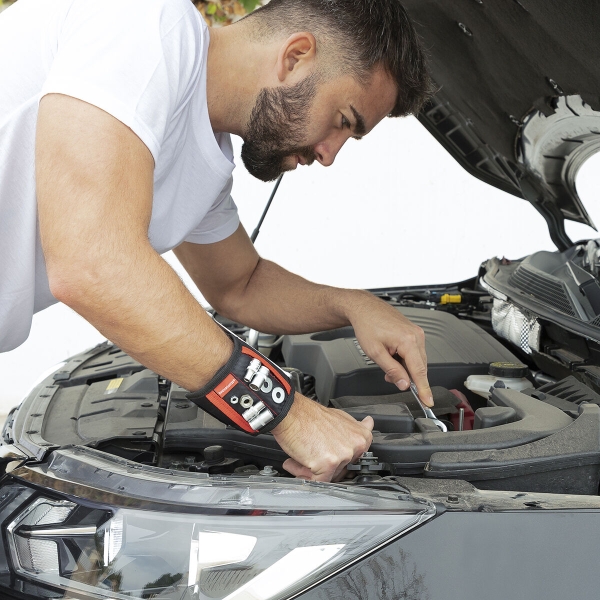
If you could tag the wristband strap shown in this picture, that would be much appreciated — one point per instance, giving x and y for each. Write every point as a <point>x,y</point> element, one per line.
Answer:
<point>249,392</point>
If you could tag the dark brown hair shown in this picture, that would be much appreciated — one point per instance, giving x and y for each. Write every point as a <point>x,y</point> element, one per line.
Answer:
<point>362,34</point>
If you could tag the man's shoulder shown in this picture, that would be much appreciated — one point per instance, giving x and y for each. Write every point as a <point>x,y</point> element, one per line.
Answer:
<point>172,12</point>
<point>166,14</point>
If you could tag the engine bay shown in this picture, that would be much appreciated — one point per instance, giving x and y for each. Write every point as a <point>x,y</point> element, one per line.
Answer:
<point>511,425</point>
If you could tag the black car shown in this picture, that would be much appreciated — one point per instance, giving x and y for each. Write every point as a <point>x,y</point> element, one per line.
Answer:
<point>117,486</point>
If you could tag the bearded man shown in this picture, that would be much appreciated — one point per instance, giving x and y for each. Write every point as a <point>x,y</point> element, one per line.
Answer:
<point>115,123</point>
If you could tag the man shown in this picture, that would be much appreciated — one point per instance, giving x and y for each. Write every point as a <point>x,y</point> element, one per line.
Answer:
<point>114,147</point>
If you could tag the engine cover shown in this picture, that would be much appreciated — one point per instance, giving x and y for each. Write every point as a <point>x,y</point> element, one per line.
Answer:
<point>455,350</point>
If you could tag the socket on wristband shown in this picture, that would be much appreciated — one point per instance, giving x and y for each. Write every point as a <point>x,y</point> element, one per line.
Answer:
<point>249,392</point>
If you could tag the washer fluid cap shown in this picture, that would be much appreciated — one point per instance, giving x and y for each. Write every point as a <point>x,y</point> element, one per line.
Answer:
<point>507,369</point>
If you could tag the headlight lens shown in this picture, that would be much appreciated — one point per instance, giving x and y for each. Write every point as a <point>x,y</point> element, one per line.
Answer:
<point>248,540</point>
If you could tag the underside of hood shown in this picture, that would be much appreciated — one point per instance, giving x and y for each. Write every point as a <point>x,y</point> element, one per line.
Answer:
<point>519,95</point>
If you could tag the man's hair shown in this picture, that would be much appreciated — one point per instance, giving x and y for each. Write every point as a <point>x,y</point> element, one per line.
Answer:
<point>358,35</point>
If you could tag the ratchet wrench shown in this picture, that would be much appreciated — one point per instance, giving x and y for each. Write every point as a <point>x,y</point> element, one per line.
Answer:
<point>428,412</point>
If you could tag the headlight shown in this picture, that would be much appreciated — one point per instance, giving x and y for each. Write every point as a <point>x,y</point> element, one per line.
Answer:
<point>194,537</point>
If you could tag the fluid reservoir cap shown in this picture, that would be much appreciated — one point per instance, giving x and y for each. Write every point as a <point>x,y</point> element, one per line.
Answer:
<point>507,369</point>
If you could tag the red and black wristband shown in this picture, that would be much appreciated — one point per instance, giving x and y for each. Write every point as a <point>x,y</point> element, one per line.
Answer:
<point>249,392</point>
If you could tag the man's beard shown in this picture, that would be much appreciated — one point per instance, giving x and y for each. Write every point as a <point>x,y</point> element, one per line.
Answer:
<point>277,127</point>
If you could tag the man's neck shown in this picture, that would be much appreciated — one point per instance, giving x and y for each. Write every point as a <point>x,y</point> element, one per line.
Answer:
<point>236,69</point>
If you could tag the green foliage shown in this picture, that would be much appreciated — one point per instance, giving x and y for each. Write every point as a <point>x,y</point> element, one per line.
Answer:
<point>250,5</point>
<point>215,12</point>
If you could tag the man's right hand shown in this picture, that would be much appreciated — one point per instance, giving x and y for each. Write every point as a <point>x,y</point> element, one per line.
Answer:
<point>321,441</point>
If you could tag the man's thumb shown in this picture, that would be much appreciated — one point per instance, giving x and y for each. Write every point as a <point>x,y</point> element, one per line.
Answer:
<point>368,423</point>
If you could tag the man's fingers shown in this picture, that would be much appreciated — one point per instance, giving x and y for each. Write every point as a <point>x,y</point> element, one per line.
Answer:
<point>302,472</point>
<point>322,443</point>
<point>394,372</point>
<point>368,423</point>
<point>418,371</point>
<point>340,474</point>
<point>296,469</point>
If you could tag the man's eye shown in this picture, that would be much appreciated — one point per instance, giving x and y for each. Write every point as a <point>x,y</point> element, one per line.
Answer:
<point>345,122</point>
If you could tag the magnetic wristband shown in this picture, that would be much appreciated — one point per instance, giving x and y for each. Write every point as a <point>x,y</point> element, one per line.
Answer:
<point>249,392</point>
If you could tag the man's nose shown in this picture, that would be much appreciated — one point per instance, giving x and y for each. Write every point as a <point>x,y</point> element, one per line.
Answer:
<point>327,151</point>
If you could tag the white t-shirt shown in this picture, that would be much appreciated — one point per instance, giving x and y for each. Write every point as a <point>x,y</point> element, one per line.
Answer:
<point>142,61</point>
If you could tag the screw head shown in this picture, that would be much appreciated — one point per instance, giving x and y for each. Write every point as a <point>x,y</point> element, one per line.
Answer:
<point>269,470</point>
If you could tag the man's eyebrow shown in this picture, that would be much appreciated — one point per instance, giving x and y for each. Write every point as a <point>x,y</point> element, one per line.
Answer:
<point>359,128</point>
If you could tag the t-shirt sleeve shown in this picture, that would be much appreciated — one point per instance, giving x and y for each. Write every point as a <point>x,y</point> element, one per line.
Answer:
<point>220,222</point>
<point>134,59</point>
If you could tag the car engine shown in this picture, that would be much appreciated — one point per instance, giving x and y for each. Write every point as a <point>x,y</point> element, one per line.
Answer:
<point>510,425</point>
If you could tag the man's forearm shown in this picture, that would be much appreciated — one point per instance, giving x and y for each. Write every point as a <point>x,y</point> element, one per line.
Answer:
<point>274,300</point>
<point>277,301</point>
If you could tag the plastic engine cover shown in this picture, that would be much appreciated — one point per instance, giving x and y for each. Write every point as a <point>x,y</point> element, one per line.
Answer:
<point>455,350</point>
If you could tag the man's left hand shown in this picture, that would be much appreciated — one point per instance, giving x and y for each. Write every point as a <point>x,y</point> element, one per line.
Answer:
<point>385,334</point>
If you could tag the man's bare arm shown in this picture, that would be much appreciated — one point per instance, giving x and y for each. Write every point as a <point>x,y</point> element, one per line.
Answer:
<point>241,285</point>
<point>94,187</point>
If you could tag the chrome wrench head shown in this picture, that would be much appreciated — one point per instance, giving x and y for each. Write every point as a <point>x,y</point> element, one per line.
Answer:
<point>428,412</point>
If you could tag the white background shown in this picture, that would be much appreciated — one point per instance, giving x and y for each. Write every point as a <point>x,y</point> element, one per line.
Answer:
<point>394,209</point>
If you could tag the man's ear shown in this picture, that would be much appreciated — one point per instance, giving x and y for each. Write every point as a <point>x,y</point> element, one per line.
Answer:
<point>296,54</point>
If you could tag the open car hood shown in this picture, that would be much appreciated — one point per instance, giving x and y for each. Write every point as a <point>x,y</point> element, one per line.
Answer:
<point>518,103</point>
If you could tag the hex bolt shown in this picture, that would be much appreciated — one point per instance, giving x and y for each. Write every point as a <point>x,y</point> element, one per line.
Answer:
<point>452,499</point>
<point>269,470</point>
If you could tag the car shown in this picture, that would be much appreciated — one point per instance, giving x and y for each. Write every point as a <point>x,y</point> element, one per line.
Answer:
<point>115,485</point>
